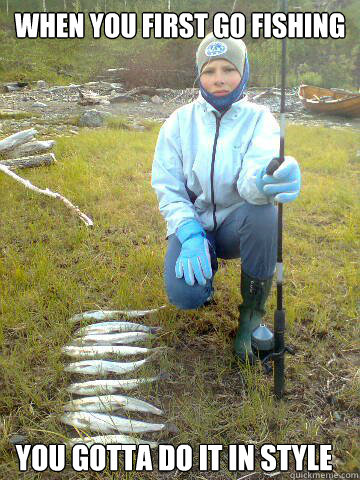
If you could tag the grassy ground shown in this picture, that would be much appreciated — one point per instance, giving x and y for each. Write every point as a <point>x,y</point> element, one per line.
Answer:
<point>51,267</point>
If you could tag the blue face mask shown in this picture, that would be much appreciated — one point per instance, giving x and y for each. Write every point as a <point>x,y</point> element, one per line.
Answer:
<point>224,103</point>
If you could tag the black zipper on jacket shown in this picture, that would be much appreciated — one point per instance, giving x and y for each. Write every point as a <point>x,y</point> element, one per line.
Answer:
<point>218,120</point>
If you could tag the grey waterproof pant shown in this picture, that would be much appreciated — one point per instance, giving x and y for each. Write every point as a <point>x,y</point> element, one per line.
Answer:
<point>249,233</point>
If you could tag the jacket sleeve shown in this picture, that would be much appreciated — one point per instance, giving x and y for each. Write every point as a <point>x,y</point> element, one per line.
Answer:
<point>263,147</point>
<point>168,178</point>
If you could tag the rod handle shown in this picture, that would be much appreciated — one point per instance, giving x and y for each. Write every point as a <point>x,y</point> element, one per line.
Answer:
<point>273,165</point>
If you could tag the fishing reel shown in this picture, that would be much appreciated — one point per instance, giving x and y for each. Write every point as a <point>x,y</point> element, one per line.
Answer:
<point>263,343</point>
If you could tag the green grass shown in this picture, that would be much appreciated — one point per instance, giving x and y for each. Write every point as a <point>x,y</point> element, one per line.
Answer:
<point>52,266</point>
<point>17,115</point>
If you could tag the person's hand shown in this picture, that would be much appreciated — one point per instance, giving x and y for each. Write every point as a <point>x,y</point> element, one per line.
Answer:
<point>284,184</point>
<point>194,261</point>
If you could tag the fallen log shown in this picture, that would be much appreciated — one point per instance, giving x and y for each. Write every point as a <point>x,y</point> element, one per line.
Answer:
<point>29,149</point>
<point>151,91</point>
<point>122,98</point>
<point>259,95</point>
<point>17,139</point>
<point>88,98</point>
<point>88,222</point>
<point>268,92</point>
<point>14,87</point>
<point>27,162</point>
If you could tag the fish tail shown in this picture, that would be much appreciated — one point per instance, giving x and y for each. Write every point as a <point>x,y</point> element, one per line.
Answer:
<point>171,428</point>
<point>154,330</point>
<point>159,349</point>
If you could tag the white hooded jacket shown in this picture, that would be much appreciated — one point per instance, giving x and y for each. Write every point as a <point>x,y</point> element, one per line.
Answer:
<point>205,164</point>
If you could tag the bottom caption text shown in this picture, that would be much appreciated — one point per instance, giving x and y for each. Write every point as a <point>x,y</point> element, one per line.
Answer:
<point>310,458</point>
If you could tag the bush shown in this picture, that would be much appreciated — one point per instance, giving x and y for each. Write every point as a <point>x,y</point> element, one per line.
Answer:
<point>311,78</point>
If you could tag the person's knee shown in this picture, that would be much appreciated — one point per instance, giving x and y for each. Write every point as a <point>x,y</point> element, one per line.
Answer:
<point>263,218</point>
<point>186,297</point>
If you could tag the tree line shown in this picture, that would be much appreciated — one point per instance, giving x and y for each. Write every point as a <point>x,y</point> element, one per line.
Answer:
<point>323,62</point>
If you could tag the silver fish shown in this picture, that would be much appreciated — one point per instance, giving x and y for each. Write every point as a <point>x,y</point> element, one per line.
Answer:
<point>102,367</point>
<point>107,387</point>
<point>91,351</point>
<point>114,327</point>
<point>112,314</point>
<point>111,404</point>
<point>101,422</point>
<point>113,338</point>
<point>110,440</point>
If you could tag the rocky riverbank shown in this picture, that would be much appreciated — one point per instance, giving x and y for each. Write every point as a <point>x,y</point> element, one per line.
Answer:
<point>59,110</point>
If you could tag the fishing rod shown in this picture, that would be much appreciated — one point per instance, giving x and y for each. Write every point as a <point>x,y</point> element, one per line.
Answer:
<point>278,354</point>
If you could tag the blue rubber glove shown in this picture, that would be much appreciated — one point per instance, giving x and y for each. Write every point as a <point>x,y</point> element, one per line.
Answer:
<point>194,260</point>
<point>284,184</point>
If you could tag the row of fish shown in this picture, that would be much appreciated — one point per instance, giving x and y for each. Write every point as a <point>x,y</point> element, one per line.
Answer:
<point>111,404</point>
<point>113,338</point>
<point>101,422</point>
<point>108,387</point>
<point>105,367</point>
<point>110,440</point>
<point>97,410</point>
<point>99,315</point>
<point>116,327</point>
<point>120,350</point>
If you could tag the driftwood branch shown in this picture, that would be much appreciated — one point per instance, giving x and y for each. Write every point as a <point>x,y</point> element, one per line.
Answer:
<point>17,139</point>
<point>26,162</point>
<point>30,148</point>
<point>88,222</point>
<point>268,92</point>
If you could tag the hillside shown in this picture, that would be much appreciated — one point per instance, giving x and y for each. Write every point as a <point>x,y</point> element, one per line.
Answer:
<point>170,62</point>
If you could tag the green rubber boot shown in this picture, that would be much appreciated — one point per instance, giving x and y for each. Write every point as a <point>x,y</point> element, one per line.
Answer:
<point>254,293</point>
